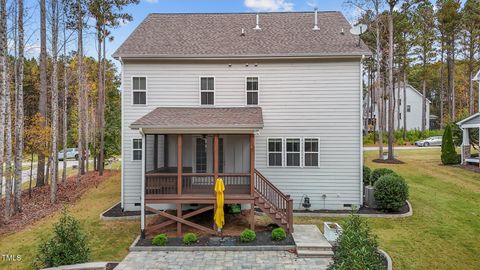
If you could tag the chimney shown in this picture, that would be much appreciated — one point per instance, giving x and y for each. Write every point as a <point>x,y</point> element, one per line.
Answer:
<point>315,27</point>
<point>257,27</point>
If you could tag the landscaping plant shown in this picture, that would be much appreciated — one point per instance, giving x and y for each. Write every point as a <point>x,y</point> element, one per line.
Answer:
<point>356,247</point>
<point>391,191</point>
<point>248,236</point>
<point>279,234</point>
<point>160,240</point>
<point>449,155</point>
<point>366,174</point>
<point>377,173</point>
<point>189,238</point>
<point>68,245</point>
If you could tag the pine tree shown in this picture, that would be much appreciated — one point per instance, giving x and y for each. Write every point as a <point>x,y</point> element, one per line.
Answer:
<point>449,155</point>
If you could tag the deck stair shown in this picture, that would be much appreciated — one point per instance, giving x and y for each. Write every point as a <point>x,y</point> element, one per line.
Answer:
<point>278,206</point>
<point>310,242</point>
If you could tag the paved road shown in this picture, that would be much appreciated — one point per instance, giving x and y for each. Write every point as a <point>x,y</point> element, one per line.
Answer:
<point>219,260</point>
<point>375,148</point>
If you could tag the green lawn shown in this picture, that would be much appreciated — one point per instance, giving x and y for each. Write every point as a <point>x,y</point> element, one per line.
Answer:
<point>444,231</point>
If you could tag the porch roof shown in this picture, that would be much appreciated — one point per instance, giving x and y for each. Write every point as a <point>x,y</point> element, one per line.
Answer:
<point>472,121</point>
<point>201,118</point>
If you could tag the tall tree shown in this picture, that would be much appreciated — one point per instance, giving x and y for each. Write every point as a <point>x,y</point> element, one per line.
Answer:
<point>3,60</point>
<point>42,102</point>
<point>424,24</point>
<point>19,113</point>
<point>82,97</point>
<point>65,94</point>
<point>391,87</point>
<point>54,101</point>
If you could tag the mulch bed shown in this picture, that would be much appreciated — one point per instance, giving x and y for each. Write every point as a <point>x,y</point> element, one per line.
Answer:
<point>117,211</point>
<point>473,168</point>
<point>263,239</point>
<point>363,210</point>
<point>388,161</point>
<point>39,206</point>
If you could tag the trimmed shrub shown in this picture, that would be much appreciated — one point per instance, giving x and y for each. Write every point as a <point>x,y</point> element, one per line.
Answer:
<point>279,234</point>
<point>248,236</point>
<point>356,247</point>
<point>189,238</point>
<point>366,174</point>
<point>449,155</point>
<point>391,191</point>
<point>377,173</point>
<point>67,245</point>
<point>160,240</point>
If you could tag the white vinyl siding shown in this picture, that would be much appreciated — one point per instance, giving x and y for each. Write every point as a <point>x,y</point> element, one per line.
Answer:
<point>139,90</point>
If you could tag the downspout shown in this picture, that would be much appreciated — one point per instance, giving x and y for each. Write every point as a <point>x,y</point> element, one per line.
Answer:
<point>122,195</point>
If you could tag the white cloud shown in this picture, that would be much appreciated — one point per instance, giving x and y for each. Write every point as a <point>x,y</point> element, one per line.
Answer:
<point>152,1</point>
<point>312,3</point>
<point>123,23</point>
<point>269,5</point>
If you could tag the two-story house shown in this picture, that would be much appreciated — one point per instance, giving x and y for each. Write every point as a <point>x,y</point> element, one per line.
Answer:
<point>270,102</point>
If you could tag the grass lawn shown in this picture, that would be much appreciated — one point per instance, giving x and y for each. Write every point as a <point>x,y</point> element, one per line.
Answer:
<point>108,240</point>
<point>444,231</point>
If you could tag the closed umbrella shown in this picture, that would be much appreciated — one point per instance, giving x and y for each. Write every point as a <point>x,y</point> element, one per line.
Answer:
<point>219,217</point>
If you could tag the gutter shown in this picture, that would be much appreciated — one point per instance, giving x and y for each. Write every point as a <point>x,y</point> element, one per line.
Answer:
<point>230,57</point>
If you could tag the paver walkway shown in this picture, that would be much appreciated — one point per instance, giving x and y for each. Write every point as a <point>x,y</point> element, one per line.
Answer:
<point>219,260</point>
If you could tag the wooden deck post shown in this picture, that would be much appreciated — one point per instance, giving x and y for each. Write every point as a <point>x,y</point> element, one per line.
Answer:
<point>165,151</point>
<point>252,216</point>
<point>155,152</point>
<point>179,215</point>
<point>179,179</point>
<point>215,157</point>
<point>252,163</point>
<point>142,199</point>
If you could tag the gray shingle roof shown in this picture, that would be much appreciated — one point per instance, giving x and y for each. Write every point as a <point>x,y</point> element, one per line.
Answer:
<point>197,117</point>
<point>219,35</point>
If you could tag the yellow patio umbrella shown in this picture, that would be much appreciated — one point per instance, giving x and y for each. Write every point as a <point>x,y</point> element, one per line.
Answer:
<point>219,217</point>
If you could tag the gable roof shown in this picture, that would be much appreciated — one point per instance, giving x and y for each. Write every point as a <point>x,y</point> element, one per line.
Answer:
<point>472,119</point>
<point>197,117</point>
<point>417,92</point>
<point>219,35</point>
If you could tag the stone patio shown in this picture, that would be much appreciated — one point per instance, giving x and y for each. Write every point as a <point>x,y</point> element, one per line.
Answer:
<point>225,260</point>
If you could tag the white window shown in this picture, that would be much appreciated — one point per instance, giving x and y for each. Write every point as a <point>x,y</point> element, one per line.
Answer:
<point>207,90</point>
<point>311,152</point>
<point>293,152</point>
<point>137,149</point>
<point>275,152</point>
<point>408,108</point>
<point>139,89</point>
<point>252,90</point>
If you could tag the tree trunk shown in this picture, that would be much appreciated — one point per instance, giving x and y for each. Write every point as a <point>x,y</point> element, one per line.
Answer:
<point>3,66</point>
<point>81,93</point>
<point>101,161</point>
<point>404,104</point>
<point>378,86</point>
<point>31,176</point>
<point>19,114</point>
<point>442,94</point>
<point>65,99</point>
<point>400,100</point>
<point>99,99</point>
<point>391,105</point>
<point>54,97</point>
<point>42,104</point>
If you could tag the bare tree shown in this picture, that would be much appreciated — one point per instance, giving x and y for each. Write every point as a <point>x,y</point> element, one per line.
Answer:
<point>65,97</point>
<point>391,105</point>
<point>82,96</point>
<point>3,67</point>
<point>19,113</point>
<point>53,154</point>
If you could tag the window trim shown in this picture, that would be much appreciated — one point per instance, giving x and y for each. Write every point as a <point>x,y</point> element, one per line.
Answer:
<point>258,90</point>
<point>213,91</point>
<point>300,161</point>
<point>146,90</point>
<point>137,149</point>
<point>282,152</point>
<point>304,152</point>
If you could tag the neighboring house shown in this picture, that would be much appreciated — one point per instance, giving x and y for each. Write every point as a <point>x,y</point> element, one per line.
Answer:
<point>413,108</point>
<point>271,103</point>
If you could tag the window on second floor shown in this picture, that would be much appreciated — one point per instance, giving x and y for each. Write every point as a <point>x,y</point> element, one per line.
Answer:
<point>252,90</point>
<point>408,108</point>
<point>207,90</point>
<point>139,89</point>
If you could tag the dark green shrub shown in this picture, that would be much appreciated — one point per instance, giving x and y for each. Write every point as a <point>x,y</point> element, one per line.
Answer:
<point>366,174</point>
<point>377,173</point>
<point>449,155</point>
<point>67,245</point>
<point>189,238</point>
<point>356,247</point>
<point>391,191</point>
<point>279,234</point>
<point>160,240</point>
<point>248,236</point>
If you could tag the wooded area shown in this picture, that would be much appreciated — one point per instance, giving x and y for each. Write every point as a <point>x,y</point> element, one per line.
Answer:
<point>63,100</point>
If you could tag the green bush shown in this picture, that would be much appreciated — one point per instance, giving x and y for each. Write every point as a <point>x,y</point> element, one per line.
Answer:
<point>248,236</point>
<point>391,191</point>
<point>366,174</point>
<point>377,173</point>
<point>67,245</point>
<point>279,234</point>
<point>449,155</point>
<point>189,238</point>
<point>160,240</point>
<point>356,247</point>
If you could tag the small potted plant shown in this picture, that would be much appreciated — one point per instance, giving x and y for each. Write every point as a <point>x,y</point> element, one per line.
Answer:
<point>331,231</point>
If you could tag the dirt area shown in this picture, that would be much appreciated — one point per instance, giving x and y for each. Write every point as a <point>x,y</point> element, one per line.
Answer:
<point>117,211</point>
<point>388,161</point>
<point>363,210</point>
<point>470,167</point>
<point>39,205</point>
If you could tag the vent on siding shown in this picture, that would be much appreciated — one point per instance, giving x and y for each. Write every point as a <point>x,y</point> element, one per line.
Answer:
<point>138,204</point>
<point>347,205</point>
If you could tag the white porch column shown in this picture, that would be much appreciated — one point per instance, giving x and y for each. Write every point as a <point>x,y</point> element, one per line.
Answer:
<point>142,203</point>
<point>465,144</point>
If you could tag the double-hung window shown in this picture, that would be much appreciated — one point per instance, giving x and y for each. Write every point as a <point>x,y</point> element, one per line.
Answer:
<point>139,89</point>
<point>310,149</point>
<point>137,149</point>
<point>207,90</point>
<point>275,152</point>
<point>252,90</point>
<point>293,152</point>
